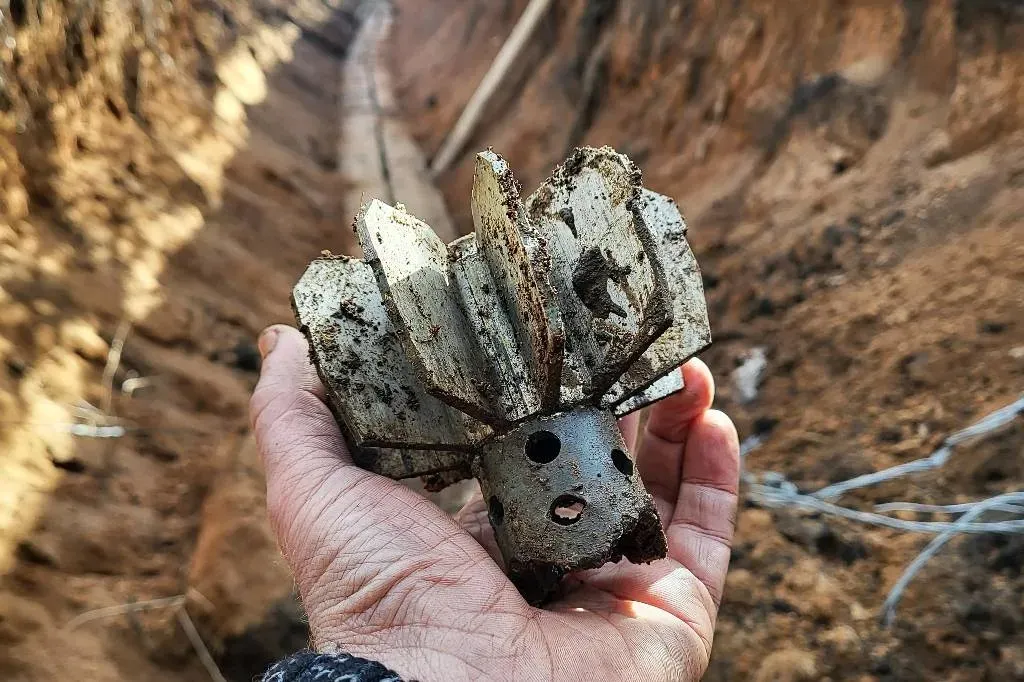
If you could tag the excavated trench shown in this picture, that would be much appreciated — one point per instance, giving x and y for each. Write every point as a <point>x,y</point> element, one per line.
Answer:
<point>851,174</point>
<point>166,170</point>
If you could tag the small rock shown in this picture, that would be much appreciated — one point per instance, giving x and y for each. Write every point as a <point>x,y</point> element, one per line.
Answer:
<point>747,377</point>
<point>897,317</point>
<point>741,587</point>
<point>787,665</point>
<point>858,612</point>
<point>44,308</point>
<point>84,340</point>
<point>1012,663</point>
<point>228,108</point>
<point>818,595</point>
<point>243,76</point>
<point>843,639</point>
<point>936,149</point>
<point>1017,353</point>
<point>756,522</point>
<point>15,203</point>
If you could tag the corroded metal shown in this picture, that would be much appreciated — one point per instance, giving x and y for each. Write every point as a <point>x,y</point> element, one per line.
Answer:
<point>563,494</point>
<point>508,354</point>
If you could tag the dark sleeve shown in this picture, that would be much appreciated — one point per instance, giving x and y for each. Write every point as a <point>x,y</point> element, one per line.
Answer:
<point>307,666</point>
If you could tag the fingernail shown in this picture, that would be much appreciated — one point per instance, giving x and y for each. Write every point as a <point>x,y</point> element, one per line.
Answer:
<point>268,339</point>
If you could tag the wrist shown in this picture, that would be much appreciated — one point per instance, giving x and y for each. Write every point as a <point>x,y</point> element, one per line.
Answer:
<point>308,666</point>
<point>428,653</point>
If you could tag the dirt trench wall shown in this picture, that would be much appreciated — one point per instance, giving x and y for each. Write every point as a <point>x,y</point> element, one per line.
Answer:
<point>850,172</point>
<point>93,79</point>
<point>100,103</point>
<point>105,104</point>
<point>147,182</point>
<point>709,80</point>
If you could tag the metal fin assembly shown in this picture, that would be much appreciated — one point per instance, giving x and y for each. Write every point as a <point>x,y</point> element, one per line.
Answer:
<point>509,354</point>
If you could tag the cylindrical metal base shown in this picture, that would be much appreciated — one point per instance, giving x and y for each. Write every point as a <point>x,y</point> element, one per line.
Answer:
<point>564,495</point>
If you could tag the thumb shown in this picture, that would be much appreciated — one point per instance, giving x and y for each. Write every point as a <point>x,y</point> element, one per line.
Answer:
<point>350,536</point>
<point>298,438</point>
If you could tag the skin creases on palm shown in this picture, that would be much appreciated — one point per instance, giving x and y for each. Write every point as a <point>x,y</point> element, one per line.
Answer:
<point>385,574</point>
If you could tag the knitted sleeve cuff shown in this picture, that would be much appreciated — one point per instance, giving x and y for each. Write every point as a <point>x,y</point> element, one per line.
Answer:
<point>308,666</point>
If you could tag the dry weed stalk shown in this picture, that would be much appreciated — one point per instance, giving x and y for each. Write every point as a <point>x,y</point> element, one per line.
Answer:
<point>179,604</point>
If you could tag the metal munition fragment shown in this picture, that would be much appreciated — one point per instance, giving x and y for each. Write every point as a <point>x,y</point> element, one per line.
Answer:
<point>509,354</point>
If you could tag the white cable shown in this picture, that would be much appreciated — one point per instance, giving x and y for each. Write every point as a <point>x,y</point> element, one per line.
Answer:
<point>890,507</point>
<point>991,422</point>
<point>777,491</point>
<point>937,543</point>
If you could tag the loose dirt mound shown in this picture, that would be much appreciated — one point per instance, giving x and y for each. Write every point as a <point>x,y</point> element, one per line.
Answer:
<point>852,175</point>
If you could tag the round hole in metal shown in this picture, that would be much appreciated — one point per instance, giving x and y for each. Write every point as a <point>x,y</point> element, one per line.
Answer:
<point>622,462</point>
<point>567,509</point>
<point>495,511</point>
<point>542,447</point>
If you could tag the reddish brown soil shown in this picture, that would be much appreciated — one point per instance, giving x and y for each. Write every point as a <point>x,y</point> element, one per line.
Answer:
<point>851,173</point>
<point>139,189</point>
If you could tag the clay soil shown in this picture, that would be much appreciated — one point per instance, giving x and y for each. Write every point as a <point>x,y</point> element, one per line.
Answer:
<point>853,177</point>
<point>172,167</point>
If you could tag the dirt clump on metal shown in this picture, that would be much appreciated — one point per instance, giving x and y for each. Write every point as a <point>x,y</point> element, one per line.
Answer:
<point>522,344</point>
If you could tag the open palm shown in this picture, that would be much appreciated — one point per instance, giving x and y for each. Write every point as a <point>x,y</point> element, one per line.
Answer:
<point>385,574</point>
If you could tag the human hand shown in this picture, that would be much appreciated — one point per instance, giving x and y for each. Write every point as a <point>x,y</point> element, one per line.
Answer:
<point>385,574</point>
